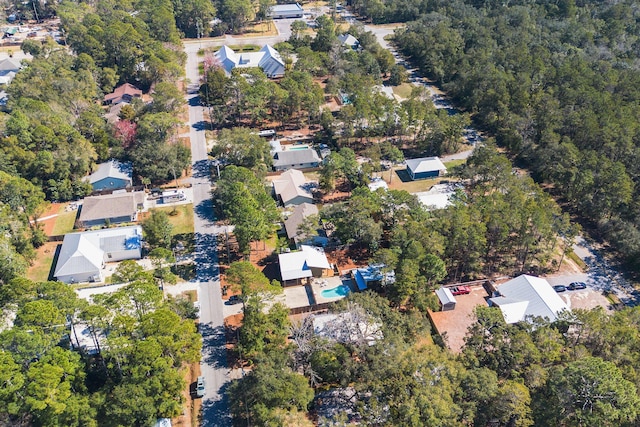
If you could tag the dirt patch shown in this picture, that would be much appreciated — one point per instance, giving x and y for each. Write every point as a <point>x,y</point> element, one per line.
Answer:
<point>348,258</point>
<point>48,224</point>
<point>191,407</point>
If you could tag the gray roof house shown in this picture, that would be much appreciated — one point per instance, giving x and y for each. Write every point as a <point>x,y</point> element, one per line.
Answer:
<point>292,188</point>
<point>297,217</point>
<point>302,159</point>
<point>348,40</point>
<point>115,208</point>
<point>267,58</point>
<point>8,69</point>
<point>285,11</point>
<point>526,297</point>
<point>425,167</point>
<point>111,175</point>
<point>83,255</point>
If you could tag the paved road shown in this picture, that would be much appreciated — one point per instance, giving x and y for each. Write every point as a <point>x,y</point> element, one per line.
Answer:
<point>214,358</point>
<point>601,275</point>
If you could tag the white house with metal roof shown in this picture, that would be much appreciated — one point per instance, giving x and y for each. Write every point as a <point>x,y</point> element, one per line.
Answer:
<point>526,297</point>
<point>286,11</point>
<point>111,175</point>
<point>267,58</point>
<point>83,255</point>
<point>425,167</point>
<point>309,261</point>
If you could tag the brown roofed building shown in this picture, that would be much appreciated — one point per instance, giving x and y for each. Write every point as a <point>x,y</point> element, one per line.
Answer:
<point>123,93</point>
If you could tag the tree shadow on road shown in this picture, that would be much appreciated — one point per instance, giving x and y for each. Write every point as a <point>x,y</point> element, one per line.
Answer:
<point>215,413</point>
<point>206,258</point>
<point>201,169</point>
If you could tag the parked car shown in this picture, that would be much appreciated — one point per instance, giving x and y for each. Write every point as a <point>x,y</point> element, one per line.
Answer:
<point>200,386</point>
<point>460,290</point>
<point>235,299</point>
<point>577,285</point>
<point>559,288</point>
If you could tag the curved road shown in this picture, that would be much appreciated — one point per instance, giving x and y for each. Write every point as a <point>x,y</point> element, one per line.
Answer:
<point>214,355</point>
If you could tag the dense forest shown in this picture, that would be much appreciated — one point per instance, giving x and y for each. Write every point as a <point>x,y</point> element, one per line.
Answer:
<point>556,82</point>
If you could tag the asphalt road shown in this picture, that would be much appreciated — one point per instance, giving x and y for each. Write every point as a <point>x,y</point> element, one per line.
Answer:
<point>214,358</point>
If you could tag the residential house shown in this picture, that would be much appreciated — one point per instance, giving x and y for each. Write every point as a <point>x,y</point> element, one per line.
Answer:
<point>299,266</point>
<point>8,69</point>
<point>526,297</point>
<point>425,167</point>
<point>111,175</point>
<point>83,255</point>
<point>286,11</point>
<point>114,208</point>
<point>292,188</point>
<point>302,159</point>
<point>123,93</point>
<point>438,197</point>
<point>297,217</point>
<point>349,41</point>
<point>376,183</point>
<point>267,58</point>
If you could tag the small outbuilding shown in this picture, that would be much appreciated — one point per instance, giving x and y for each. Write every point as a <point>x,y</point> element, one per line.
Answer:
<point>286,11</point>
<point>446,298</point>
<point>425,167</point>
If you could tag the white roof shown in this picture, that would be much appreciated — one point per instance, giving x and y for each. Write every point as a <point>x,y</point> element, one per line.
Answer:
<point>445,296</point>
<point>292,184</point>
<point>513,311</point>
<point>10,65</point>
<point>266,58</point>
<point>347,328</point>
<point>425,164</point>
<point>111,169</point>
<point>348,40</point>
<point>291,7</point>
<point>377,183</point>
<point>297,265</point>
<point>84,252</point>
<point>542,300</point>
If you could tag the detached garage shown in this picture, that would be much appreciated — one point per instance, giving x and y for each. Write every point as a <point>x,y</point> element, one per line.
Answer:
<point>446,298</point>
<point>425,167</point>
<point>287,11</point>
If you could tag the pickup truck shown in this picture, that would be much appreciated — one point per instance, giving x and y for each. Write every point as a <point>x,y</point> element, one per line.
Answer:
<point>460,290</point>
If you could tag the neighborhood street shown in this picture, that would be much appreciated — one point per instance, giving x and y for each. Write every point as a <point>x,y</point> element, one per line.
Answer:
<point>214,364</point>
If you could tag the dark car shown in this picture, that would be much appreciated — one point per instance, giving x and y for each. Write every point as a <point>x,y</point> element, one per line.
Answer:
<point>235,299</point>
<point>559,288</point>
<point>577,285</point>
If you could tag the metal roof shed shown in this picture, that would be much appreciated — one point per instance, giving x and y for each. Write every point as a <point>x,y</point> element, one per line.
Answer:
<point>447,300</point>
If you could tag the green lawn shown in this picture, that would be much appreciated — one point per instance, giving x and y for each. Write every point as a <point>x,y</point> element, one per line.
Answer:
<point>40,270</point>
<point>64,222</point>
<point>404,90</point>
<point>453,163</point>
<point>182,220</point>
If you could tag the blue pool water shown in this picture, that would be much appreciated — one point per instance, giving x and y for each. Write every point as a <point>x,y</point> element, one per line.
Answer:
<point>338,291</point>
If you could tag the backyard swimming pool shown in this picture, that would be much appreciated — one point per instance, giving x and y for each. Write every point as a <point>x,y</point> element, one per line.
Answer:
<point>298,147</point>
<point>338,291</point>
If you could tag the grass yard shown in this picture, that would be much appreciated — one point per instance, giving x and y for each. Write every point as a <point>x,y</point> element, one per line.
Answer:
<point>410,186</point>
<point>64,221</point>
<point>182,220</point>
<point>41,267</point>
<point>245,47</point>
<point>262,28</point>
<point>453,163</point>
<point>404,90</point>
